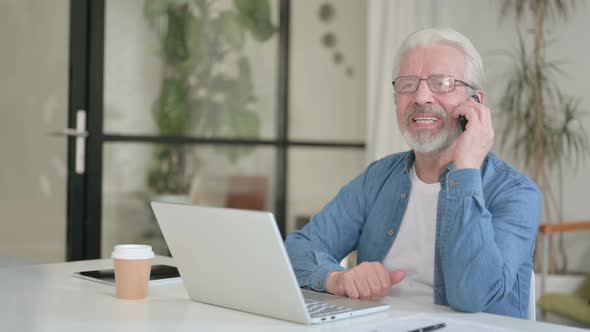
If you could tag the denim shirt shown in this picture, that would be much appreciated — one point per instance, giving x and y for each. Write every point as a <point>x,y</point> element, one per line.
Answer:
<point>486,224</point>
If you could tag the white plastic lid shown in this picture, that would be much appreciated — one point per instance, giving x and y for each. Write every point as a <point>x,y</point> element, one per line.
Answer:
<point>133,251</point>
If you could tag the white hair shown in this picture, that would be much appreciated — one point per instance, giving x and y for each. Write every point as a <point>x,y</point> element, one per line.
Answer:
<point>474,74</point>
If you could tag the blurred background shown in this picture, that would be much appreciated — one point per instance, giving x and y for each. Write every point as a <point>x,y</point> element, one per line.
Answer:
<point>263,104</point>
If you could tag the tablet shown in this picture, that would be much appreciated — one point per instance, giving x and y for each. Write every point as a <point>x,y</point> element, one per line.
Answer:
<point>158,274</point>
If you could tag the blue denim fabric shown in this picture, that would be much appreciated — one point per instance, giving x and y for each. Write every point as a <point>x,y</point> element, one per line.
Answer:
<point>487,220</point>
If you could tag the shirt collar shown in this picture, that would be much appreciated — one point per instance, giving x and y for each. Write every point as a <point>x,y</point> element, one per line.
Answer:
<point>410,158</point>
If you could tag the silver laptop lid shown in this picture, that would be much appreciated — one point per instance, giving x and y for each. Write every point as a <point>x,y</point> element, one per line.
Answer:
<point>232,258</point>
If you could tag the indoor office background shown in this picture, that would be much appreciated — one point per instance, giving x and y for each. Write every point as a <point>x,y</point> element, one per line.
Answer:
<point>324,135</point>
<point>308,108</point>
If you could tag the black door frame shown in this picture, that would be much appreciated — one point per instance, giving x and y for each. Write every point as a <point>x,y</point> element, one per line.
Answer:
<point>84,201</point>
<point>85,93</point>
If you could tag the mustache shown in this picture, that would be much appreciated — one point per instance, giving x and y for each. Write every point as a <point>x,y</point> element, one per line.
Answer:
<point>430,109</point>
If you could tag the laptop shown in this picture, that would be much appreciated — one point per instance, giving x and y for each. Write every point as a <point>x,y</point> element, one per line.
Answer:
<point>236,259</point>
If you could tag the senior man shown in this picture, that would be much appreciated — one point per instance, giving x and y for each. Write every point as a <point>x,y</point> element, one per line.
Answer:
<point>447,222</point>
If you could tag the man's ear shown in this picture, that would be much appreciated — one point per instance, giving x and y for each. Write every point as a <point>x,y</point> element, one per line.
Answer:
<point>481,95</point>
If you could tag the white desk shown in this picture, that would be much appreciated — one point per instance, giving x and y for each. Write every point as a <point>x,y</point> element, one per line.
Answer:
<point>48,298</point>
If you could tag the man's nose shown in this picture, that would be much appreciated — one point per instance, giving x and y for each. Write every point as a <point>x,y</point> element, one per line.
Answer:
<point>423,95</point>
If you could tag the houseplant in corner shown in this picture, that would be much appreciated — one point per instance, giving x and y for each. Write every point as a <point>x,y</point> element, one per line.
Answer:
<point>543,128</point>
<point>206,88</point>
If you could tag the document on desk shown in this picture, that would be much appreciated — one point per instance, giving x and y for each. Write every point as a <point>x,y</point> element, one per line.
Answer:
<point>424,322</point>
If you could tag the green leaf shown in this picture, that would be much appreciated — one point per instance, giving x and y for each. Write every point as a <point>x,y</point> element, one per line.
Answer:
<point>167,175</point>
<point>196,45</point>
<point>170,111</point>
<point>238,91</point>
<point>155,10</point>
<point>255,16</point>
<point>228,23</point>
<point>222,83</point>
<point>245,89</point>
<point>207,119</point>
<point>176,49</point>
<point>246,124</point>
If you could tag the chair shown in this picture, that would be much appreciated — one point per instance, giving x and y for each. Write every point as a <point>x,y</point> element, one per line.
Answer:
<point>247,192</point>
<point>532,300</point>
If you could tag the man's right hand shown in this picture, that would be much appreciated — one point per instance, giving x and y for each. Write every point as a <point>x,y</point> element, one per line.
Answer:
<point>367,281</point>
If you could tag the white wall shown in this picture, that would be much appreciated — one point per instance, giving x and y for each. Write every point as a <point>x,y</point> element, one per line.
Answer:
<point>33,102</point>
<point>325,103</point>
<point>479,22</point>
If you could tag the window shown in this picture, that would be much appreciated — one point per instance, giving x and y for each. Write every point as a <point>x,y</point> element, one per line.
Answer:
<point>273,122</point>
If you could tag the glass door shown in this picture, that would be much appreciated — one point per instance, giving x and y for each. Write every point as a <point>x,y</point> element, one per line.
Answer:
<point>188,102</point>
<point>189,110</point>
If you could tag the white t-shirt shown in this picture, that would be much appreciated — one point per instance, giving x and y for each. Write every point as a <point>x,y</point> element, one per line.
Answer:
<point>413,249</point>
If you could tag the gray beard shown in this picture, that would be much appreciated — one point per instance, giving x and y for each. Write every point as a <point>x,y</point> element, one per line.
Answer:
<point>424,141</point>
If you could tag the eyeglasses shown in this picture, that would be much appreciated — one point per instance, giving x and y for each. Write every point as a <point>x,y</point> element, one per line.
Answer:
<point>436,83</point>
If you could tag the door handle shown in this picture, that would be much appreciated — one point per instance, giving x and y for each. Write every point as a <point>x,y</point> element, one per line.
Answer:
<point>69,132</point>
<point>80,134</point>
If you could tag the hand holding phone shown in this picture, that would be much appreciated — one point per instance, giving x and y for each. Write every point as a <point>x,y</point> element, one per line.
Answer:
<point>473,145</point>
<point>462,119</point>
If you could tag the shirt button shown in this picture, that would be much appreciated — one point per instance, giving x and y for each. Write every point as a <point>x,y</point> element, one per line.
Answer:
<point>403,195</point>
<point>453,183</point>
<point>391,232</point>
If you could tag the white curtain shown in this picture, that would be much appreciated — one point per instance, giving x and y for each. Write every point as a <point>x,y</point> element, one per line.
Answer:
<point>389,22</point>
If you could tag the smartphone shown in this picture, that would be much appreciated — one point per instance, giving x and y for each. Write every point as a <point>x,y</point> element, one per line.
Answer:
<point>462,119</point>
<point>158,274</point>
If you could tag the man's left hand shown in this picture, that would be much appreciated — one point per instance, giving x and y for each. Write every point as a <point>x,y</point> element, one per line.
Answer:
<point>477,140</point>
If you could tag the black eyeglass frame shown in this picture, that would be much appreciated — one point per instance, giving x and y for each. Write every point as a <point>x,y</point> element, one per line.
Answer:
<point>455,81</point>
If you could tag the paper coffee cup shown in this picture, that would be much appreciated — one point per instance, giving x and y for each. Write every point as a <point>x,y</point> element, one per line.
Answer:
<point>133,263</point>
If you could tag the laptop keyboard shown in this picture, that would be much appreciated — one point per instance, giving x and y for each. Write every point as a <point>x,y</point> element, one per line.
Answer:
<point>320,309</point>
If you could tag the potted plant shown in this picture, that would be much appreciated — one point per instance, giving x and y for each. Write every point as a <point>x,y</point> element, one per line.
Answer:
<point>206,87</point>
<point>195,97</point>
<point>543,128</point>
